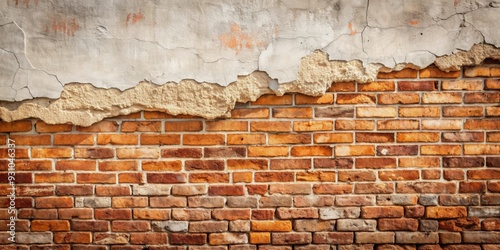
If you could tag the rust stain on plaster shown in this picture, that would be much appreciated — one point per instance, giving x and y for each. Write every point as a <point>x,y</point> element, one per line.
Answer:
<point>134,18</point>
<point>83,104</point>
<point>66,26</point>
<point>237,40</point>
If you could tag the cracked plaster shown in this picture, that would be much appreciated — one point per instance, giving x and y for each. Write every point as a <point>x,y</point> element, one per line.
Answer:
<point>95,59</point>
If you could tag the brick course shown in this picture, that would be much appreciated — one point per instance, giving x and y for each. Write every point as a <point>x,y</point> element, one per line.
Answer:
<point>411,161</point>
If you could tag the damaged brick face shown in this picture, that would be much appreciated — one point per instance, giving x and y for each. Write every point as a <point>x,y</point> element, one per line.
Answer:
<point>408,161</point>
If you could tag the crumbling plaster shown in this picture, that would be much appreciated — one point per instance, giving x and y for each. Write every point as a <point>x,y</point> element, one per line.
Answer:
<point>95,59</point>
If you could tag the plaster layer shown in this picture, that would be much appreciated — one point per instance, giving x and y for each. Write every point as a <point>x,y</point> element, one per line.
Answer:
<point>45,45</point>
<point>85,104</point>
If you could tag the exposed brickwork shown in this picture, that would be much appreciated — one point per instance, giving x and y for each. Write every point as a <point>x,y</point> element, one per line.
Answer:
<point>408,162</point>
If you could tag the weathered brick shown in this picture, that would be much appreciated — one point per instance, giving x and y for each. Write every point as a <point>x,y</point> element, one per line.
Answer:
<point>442,124</point>
<point>311,151</point>
<point>188,239</point>
<point>485,124</point>
<point>355,225</point>
<point>441,149</point>
<point>380,112</point>
<point>332,188</point>
<point>417,237</point>
<point>291,188</point>
<point>272,226</point>
<point>421,162</point>
<point>203,139</point>
<point>297,213</point>
<point>374,237</point>
<point>270,126</point>
<point>449,237</point>
<point>401,224</point>
<point>382,212</point>
<point>356,150</point>
<point>267,151</point>
<point>374,188</point>
<point>208,178</point>
<point>85,225</point>
<point>353,176</point>
<point>50,225</point>
<point>183,126</point>
<point>419,112</point>
<point>148,238</point>
<point>482,97</point>
<point>314,201</point>
<point>445,212</point>
<point>417,85</point>
<point>377,86</point>
<point>151,214</point>
<point>399,98</point>
<point>274,100</point>
<point>73,237</point>
<point>398,175</point>
<point>375,163</point>
<point>356,99</point>
<point>315,176</point>
<point>313,100</point>
<point>333,238</point>
<point>313,225</point>
<point>250,113</point>
<point>162,201</point>
<point>291,238</point>
<point>465,111</point>
<point>259,238</point>
<point>111,238</point>
<point>481,237</point>
<point>275,201</point>
<point>426,187</point>
<point>397,150</point>
<point>190,214</point>
<point>460,224</point>
<point>113,214</point>
<point>404,73</point>
<point>42,127</point>
<point>274,176</point>
<point>292,112</point>
<point>206,202</point>
<point>339,213</point>
<point>242,139</point>
<point>354,125</point>
<point>434,72</point>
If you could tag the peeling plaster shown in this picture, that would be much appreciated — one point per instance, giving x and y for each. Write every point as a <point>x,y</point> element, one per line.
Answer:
<point>139,55</point>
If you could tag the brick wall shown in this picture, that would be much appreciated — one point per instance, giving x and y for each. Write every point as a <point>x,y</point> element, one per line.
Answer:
<point>411,161</point>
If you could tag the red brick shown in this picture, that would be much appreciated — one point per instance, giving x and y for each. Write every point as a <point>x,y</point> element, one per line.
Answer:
<point>291,238</point>
<point>374,188</point>
<point>73,237</point>
<point>272,226</point>
<point>163,139</point>
<point>130,178</point>
<point>312,100</point>
<point>332,188</point>
<point>354,176</point>
<point>331,112</point>
<point>74,139</point>
<point>403,224</point>
<point>426,187</point>
<point>127,202</point>
<point>75,213</point>
<point>417,85</point>
<point>342,87</point>
<point>205,165</point>
<point>274,100</point>
<point>112,190</point>
<point>357,150</point>
<point>183,126</point>
<point>376,163</point>
<point>417,137</point>
<point>312,126</point>
<point>54,202</point>
<point>102,126</point>
<point>166,178</point>
<point>94,153</point>
<point>492,111</point>
<point>482,97</point>
<point>421,162</point>
<point>382,212</point>
<point>492,84</point>
<point>292,112</point>
<point>96,226</point>
<point>399,98</point>
<point>257,189</point>
<point>486,124</point>
<point>465,111</point>
<point>478,71</point>
<point>317,176</point>
<point>267,151</point>
<point>51,152</point>
<point>231,190</point>
<point>398,175</point>
<point>274,176</point>
<point>374,137</point>
<point>113,214</point>
<point>76,190</point>
<point>334,237</point>
<point>247,164</point>
<point>397,150</point>
<point>333,163</point>
<point>259,238</point>
<point>291,188</point>
<point>15,126</point>
<point>54,178</point>
<point>77,165</point>
<point>27,165</point>
<point>440,150</point>
<point>225,152</point>
<point>50,225</point>
<point>137,153</point>
<point>250,113</point>
<point>187,239</point>
<point>148,126</point>
<point>226,125</point>
<point>460,224</point>
<point>472,187</point>
<point>181,152</point>
<point>130,226</point>
<point>231,214</point>
<point>242,139</point>
<point>117,139</point>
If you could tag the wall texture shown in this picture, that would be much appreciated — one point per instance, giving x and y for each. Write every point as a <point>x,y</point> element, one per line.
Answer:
<point>409,161</point>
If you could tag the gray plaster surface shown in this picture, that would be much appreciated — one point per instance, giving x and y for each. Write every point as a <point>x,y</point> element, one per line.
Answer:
<point>45,45</point>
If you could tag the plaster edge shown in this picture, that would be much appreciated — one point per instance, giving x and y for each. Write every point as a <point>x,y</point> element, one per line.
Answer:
<point>83,104</point>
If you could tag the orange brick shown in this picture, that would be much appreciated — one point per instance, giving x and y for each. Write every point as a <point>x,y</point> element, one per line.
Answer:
<point>51,152</point>
<point>274,176</point>
<point>417,85</point>
<point>102,126</point>
<point>247,164</point>
<point>31,140</point>
<point>492,84</point>
<point>77,165</point>
<point>203,139</point>
<point>270,126</point>
<point>342,87</point>
<point>352,176</point>
<point>318,176</point>
<point>95,178</point>
<point>357,150</point>
<point>271,226</point>
<point>312,100</point>
<point>452,111</point>
<point>135,153</point>
<point>492,111</point>
<point>332,188</point>
<point>250,113</point>
<point>118,166</point>
<point>245,177</point>
<point>399,98</point>
<point>445,212</point>
<point>94,153</point>
<point>292,112</point>
<point>15,126</point>
<point>333,138</point>
<point>141,126</point>
<point>29,165</point>
<point>479,71</point>
<point>117,139</point>
<point>448,97</point>
<point>420,162</point>
<point>21,153</point>
<point>157,115</point>
<point>74,139</point>
<point>289,139</point>
<point>136,115</point>
<point>55,178</point>
<point>376,112</point>
<point>73,237</point>
<point>130,178</point>
<point>434,72</point>
<point>398,125</point>
<point>398,175</point>
<point>160,139</point>
<point>493,137</point>
<point>312,126</point>
<point>226,125</point>
<point>370,212</point>
<point>54,202</point>
<point>334,111</point>
<point>42,127</point>
<point>417,137</point>
<point>190,126</point>
<point>377,86</point>
<point>311,151</point>
<point>404,73</point>
<point>493,124</point>
<point>161,165</point>
<point>267,151</point>
<point>481,174</point>
<point>129,202</point>
<point>274,100</point>
<point>419,112</point>
<point>112,190</point>
<point>209,178</point>
<point>49,225</point>
<point>481,149</point>
<point>462,85</point>
<point>356,99</point>
<point>151,214</point>
<point>442,124</point>
<point>376,163</point>
<point>242,139</point>
<point>354,125</point>
<point>440,150</point>
<point>259,238</point>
